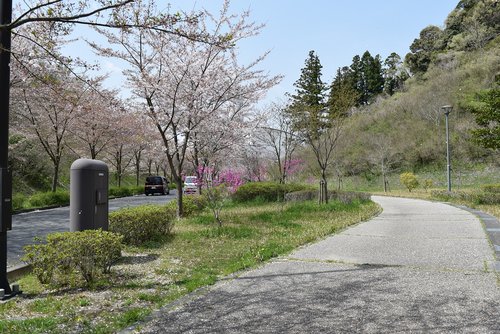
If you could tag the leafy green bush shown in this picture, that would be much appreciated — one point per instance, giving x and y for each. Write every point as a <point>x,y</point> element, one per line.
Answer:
<point>120,192</point>
<point>409,180</point>
<point>45,199</point>
<point>19,201</point>
<point>194,203</point>
<point>66,255</point>
<point>266,191</point>
<point>143,223</point>
<point>191,204</point>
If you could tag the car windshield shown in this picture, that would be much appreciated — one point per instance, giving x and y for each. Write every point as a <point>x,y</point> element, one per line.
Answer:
<point>153,180</point>
<point>190,179</point>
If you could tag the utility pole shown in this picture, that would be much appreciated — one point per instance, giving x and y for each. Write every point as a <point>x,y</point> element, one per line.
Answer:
<point>5,177</point>
<point>447,109</point>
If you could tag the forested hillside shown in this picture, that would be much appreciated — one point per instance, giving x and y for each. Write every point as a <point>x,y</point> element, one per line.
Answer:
<point>396,123</point>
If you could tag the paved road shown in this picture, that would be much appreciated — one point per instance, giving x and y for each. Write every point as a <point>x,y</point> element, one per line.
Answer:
<point>419,267</point>
<point>26,226</point>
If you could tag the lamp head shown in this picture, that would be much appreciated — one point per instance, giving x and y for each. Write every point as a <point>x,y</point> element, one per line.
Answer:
<point>446,109</point>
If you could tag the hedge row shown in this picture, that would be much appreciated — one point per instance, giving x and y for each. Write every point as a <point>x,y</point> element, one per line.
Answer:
<point>125,191</point>
<point>145,223</point>
<point>68,257</point>
<point>265,191</point>
<point>489,198</point>
<point>61,197</point>
<point>341,196</point>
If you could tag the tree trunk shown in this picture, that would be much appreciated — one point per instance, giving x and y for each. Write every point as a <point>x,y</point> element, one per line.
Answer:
<point>137,168</point>
<point>196,163</point>
<point>150,163</point>
<point>180,209</point>
<point>385,181</point>
<point>324,188</point>
<point>93,152</point>
<point>55,178</point>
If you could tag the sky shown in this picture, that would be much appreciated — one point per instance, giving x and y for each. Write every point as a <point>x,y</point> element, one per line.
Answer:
<point>336,30</point>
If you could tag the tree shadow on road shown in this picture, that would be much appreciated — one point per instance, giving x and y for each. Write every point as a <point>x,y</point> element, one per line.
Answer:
<point>335,298</point>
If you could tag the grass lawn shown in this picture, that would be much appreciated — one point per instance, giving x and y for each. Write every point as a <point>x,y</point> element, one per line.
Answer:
<point>196,255</point>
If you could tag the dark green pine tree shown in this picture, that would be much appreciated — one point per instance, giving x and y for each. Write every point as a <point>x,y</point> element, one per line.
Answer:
<point>308,103</point>
<point>365,64</point>
<point>372,80</point>
<point>343,96</point>
<point>374,77</point>
<point>356,74</point>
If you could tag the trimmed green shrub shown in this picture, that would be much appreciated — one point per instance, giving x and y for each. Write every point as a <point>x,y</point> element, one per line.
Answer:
<point>38,200</point>
<point>120,192</point>
<point>194,204</point>
<point>345,197</point>
<point>191,204</point>
<point>409,180</point>
<point>68,255</point>
<point>125,191</point>
<point>143,223</point>
<point>265,191</point>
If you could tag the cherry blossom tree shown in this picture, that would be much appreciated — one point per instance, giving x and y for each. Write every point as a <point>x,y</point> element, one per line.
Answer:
<point>219,141</point>
<point>281,137</point>
<point>185,83</point>
<point>120,149</point>
<point>140,141</point>
<point>94,126</point>
<point>48,111</point>
<point>59,15</point>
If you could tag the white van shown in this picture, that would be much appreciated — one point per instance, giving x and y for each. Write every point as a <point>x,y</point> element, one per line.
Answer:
<point>190,185</point>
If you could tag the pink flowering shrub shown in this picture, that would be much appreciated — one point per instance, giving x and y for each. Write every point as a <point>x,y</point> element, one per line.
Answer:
<point>293,166</point>
<point>219,187</point>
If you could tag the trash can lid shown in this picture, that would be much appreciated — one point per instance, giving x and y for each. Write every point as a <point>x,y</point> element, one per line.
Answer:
<point>89,164</point>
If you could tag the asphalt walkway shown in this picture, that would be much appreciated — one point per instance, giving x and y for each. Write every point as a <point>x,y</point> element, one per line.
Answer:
<point>419,267</point>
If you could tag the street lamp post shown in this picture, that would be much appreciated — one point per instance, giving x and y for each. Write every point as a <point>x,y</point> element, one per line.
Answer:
<point>447,109</point>
<point>5,179</point>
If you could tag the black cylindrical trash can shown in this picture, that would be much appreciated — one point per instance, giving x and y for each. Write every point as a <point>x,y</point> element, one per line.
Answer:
<point>88,195</point>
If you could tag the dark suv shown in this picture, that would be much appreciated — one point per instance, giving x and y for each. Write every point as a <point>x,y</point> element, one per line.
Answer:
<point>156,185</point>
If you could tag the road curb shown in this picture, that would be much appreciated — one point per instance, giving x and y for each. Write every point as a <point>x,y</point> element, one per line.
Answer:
<point>18,271</point>
<point>491,227</point>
